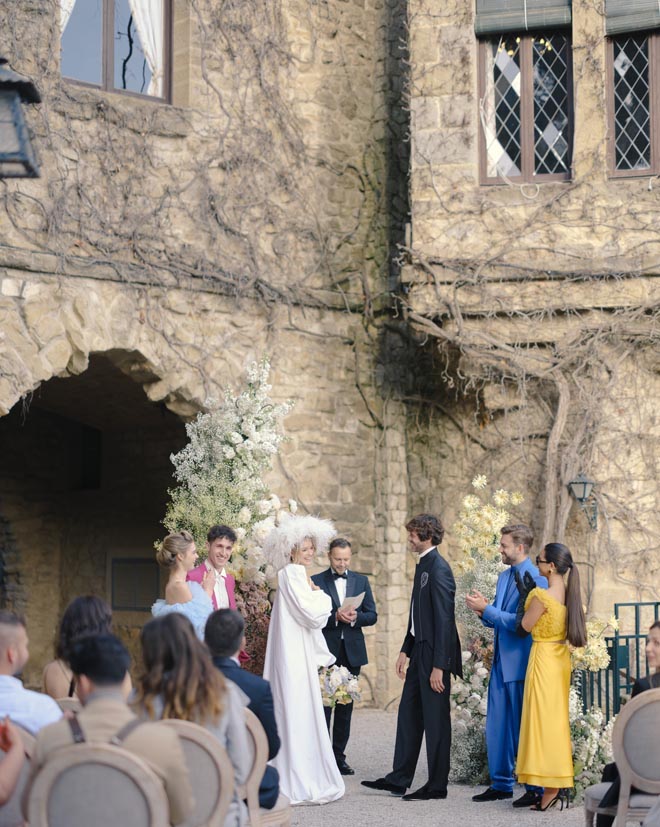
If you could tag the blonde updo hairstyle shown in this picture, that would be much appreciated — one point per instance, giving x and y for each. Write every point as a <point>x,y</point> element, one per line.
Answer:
<point>295,551</point>
<point>172,546</point>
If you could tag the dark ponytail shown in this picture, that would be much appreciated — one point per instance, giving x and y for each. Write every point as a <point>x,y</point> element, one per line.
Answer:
<point>560,555</point>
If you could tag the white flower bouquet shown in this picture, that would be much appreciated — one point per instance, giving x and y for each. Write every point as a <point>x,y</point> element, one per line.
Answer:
<point>338,686</point>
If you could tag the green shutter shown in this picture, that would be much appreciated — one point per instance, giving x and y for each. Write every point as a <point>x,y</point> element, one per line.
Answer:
<point>507,16</point>
<point>631,15</point>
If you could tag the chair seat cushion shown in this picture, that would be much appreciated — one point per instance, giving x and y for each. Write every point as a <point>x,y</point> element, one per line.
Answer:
<point>593,795</point>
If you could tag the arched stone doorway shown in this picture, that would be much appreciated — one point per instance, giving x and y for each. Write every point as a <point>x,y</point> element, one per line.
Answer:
<point>84,475</point>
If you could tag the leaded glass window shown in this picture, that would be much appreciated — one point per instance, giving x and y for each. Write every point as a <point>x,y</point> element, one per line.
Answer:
<point>526,107</point>
<point>632,103</point>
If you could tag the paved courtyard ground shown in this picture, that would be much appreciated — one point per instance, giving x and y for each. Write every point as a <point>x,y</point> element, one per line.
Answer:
<point>370,754</point>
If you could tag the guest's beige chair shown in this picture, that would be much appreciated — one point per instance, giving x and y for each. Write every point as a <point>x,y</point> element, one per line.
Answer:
<point>96,785</point>
<point>211,773</point>
<point>259,816</point>
<point>653,818</point>
<point>69,704</point>
<point>635,741</point>
<point>10,812</point>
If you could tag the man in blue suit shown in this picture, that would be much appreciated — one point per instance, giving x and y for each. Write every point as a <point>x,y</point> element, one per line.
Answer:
<point>343,634</point>
<point>223,635</point>
<point>507,676</point>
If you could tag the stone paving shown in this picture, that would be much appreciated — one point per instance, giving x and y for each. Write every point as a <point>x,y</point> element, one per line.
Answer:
<point>370,754</point>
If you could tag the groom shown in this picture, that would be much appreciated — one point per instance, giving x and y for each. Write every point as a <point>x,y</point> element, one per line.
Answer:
<point>507,675</point>
<point>434,650</point>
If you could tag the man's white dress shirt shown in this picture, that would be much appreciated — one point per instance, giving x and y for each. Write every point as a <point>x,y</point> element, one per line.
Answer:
<point>31,710</point>
<point>220,587</point>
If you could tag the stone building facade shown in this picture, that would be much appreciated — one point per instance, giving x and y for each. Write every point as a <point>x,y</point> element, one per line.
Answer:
<point>266,208</point>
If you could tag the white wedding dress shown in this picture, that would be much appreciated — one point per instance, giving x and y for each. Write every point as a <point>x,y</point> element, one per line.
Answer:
<point>296,648</point>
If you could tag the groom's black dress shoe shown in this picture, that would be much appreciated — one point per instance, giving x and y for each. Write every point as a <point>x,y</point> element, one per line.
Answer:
<point>492,795</point>
<point>528,799</point>
<point>384,784</point>
<point>424,794</point>
<point>344,768</point>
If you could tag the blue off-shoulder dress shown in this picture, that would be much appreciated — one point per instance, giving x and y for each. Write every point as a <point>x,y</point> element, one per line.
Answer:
<point>196,610</point>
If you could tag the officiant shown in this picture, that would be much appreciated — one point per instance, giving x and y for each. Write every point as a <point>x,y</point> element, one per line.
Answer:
<point>343,634</point>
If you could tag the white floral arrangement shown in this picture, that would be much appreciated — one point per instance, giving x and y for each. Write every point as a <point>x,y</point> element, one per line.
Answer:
<point>338,686</point>
<point>478,530</point>
<point>468,701</point>
<point>219,475</point>
<point>594,655</point>
<point>592,742</point>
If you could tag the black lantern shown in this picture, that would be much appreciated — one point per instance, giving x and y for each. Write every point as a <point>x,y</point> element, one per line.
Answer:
<point>16,156</point>
<point>581,489</point>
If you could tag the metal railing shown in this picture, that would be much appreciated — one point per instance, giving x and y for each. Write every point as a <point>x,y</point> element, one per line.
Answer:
<point>610,687</point>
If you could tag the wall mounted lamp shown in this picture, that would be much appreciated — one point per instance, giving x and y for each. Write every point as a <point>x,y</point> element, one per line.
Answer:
<point>581,489</point>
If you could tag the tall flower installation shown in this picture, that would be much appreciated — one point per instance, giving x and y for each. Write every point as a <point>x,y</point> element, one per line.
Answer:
<point>219,475</point>
<point>478,531</point>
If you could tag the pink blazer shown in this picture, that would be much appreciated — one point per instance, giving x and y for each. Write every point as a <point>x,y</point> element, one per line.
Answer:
<point>197,575</point>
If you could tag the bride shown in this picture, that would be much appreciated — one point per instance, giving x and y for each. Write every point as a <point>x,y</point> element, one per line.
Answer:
<point>177,554</point>
<point>296,649</point>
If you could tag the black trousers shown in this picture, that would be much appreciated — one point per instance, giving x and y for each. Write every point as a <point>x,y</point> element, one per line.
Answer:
<point>341,730</point>
<point>422,712</point>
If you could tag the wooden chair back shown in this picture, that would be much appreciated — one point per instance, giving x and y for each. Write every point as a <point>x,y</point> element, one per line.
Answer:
<point>10,812</point>
<point>259,744</point>
<point>635,741</point>
<point>211,773</point>
<point>96,784</point>
<point>280,814</point>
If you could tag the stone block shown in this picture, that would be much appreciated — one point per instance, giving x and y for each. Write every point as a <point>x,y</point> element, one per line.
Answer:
<point>11,287</point>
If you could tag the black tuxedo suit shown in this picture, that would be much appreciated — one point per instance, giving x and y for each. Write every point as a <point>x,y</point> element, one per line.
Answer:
<point>434,644</point>
<point>261,703</point>
<point>347,644</point>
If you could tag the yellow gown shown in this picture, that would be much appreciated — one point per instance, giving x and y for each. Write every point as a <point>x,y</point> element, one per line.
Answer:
<point>544,750</point>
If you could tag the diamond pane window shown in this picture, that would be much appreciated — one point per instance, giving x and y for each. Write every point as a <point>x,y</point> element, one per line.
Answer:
<point>551,113</point>
<point>525,107</point>
<point>632,103</point>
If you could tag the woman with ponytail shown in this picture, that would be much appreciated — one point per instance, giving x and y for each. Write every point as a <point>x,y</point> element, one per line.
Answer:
<point>555,618</point>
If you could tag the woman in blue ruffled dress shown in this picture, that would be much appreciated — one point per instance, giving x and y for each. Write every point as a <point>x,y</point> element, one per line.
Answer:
<point>177,554</point>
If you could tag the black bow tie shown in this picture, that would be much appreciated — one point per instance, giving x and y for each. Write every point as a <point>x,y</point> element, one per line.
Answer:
<point>336,575</point>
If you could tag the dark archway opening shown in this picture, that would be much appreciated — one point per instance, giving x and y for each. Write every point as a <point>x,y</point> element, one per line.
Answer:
<point>84,473</point>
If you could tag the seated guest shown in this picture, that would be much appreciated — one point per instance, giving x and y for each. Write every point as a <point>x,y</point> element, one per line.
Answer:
<point>85,615</point>
<point>224,637</point>
<point>610,771</point>
<point>99,666</point>
<point>179,681</point>
<point>11,744</point>
<point>30,710</point>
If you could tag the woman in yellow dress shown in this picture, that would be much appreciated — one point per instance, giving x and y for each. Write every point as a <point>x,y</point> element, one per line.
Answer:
<point>554,617</point>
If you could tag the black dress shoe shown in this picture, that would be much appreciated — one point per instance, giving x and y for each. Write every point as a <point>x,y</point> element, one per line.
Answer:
<point>492,795</point>
<point>424,794</point>
<point>528,799</point>
<point>384,784</point>
<point>344,768</point>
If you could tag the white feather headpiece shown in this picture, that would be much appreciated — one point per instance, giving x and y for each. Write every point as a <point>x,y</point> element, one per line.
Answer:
<point>291,532</point>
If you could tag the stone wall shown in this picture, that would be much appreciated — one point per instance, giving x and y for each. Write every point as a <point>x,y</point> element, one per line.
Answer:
<point>536,314</point>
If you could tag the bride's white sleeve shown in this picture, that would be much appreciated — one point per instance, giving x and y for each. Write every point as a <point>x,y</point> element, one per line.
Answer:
<point>308,608</point>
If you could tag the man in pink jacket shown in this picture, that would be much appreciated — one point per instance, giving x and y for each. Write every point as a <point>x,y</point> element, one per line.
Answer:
<point>219,544</point>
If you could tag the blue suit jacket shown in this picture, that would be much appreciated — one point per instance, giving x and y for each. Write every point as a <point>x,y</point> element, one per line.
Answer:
<point>356,649</point>
<point>511,650</point>
<point>261,703</point>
